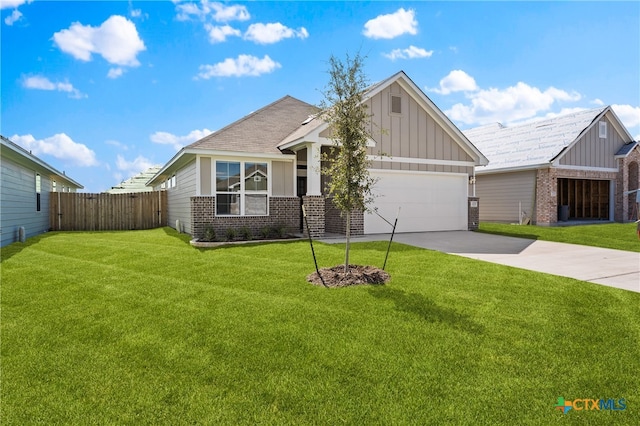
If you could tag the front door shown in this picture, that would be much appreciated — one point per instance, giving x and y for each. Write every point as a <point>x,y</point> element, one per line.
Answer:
<point>302,191</point>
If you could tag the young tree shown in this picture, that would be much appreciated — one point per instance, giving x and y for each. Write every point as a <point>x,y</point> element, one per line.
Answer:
<point>349,120</point>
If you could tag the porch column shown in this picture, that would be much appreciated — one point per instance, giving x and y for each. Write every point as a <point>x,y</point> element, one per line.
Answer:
<point>314,186</point>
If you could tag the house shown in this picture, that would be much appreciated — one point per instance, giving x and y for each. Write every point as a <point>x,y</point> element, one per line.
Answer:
<point>137,183</point>
<point>576,167</point>
<point>26,184</point>
<point>258,170</point>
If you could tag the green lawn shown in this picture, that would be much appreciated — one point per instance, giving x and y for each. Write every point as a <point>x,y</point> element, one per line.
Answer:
<point>141,328</point>
<point>621,236</point>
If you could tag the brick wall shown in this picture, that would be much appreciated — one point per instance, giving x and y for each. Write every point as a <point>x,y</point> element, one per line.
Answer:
<point>336,223</point>
<point>547,191</point>
<point>315,208</point>
<point>628,179</point>
<point>283,211</point>
<point>473,213</point>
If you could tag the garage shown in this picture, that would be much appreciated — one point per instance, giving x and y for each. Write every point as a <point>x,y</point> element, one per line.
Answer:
<point>428,201</point>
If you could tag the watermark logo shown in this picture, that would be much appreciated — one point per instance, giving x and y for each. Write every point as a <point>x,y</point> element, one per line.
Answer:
<point>591,404</point>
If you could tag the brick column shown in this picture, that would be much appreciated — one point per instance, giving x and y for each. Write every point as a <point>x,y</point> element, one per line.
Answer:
<point>473,213</point>
<point>314,206</point>
<point>547,196</point>
<point>336,223</point>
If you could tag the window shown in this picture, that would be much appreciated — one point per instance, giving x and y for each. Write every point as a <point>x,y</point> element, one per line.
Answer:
<point>602,129</point>
<point>173,181</point>
<point>241,188</point>
<point>396,104</point>
<point>53,186</point>
<point>38,189</point>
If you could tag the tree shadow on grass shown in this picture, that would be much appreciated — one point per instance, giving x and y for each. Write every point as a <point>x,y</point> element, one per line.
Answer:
<point>426,309</point>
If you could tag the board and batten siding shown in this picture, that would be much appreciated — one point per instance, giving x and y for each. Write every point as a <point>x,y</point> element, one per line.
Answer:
<point>18,200</point>
<point>502,194</point>
<point>411,134</point>
<point>592,151</point>
<point>179,198</point>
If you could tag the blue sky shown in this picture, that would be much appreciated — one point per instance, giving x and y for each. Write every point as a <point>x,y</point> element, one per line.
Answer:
<point>103,90</point>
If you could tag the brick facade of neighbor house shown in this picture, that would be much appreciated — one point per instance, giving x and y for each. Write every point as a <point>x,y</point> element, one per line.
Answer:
<point>547,190</point>
<point>628,179</point>
<point>336,223</point>
<point>473,213</point>
<point>283,211</point>
<point>315,208</point>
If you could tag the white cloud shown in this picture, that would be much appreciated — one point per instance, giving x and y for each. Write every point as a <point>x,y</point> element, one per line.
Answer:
<point>139,164</point>
<point>507,105</point>
<point>115,72</point>
<point>59,146</point>
<point>117,144</point>
<point>392,25</point>
<point>12,4</point>
<point>597,102</point>
<point>13,18</point>
<point>218,11</point>
<point>116,40</point>
<point>165,138</point>
<point>629,115</point>
<point>39,82</point>
<point>273,33</point>
<point>412,52</point>
<point>243,65</point>
<point>219,34</point>
<point>135,13</point>
<point>456,81</point>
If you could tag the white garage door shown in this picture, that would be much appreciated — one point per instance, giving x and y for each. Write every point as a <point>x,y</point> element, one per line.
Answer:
<point>428,201</point>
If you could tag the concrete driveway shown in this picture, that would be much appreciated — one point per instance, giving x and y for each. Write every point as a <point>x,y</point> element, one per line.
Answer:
<point>614,268</point>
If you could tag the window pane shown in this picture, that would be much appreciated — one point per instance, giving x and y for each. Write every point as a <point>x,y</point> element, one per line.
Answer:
<point>255,176</point>
<point>227,176</point>
<point>255,205</point>
<point>227,204</point>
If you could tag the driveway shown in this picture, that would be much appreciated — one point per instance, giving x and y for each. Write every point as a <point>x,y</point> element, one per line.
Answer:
<point>614,268</point>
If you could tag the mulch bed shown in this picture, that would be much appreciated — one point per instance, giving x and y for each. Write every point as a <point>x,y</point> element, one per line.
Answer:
<point>357,275</point>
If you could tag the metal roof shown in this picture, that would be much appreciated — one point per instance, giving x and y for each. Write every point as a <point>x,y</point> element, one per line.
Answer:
<point>531,144</point>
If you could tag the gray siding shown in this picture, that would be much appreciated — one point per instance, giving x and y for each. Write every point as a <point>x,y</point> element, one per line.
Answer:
<point>18,201</point>
<point>501,193</point>
<point>592,151</point>
<point>179,198</point>
<point>411,134</point>
<point>282,178</point>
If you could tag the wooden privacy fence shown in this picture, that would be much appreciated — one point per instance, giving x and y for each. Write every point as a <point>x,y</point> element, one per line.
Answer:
<point>74,211</point>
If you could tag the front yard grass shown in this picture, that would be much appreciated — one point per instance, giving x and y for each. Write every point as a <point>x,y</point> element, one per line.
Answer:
<point>620,236</point>
<point>141,328</point>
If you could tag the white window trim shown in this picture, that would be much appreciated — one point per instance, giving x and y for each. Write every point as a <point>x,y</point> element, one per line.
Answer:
<point>242,192</point>
<point>602,129</point>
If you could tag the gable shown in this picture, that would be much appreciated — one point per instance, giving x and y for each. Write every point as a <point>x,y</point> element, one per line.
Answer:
<point>410,131</point>
<point>590,150</point>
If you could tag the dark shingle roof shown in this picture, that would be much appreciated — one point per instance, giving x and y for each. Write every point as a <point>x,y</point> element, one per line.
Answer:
<point>261,131</point>
<point>626,148</point>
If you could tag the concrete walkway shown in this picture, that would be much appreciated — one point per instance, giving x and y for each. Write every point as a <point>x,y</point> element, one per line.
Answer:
<point>614,268</point>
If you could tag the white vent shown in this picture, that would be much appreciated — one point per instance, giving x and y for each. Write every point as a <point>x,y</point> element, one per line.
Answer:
<point>602,129</point>
<point>396,104</point>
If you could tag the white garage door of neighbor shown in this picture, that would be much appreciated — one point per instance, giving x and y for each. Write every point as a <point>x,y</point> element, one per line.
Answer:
<point>428,201</point>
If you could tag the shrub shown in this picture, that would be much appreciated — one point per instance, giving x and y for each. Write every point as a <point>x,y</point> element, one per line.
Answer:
<point>280,230</point>
<point>230,234</point>
<point>265,232</point>
<point>209,233</point>
<point>245,233</point>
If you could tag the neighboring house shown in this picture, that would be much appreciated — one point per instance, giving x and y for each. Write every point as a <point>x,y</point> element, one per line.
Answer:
<point>255,172</point>
<point>572,167</point>
<point>26,183</point>
<point>137,183</point>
